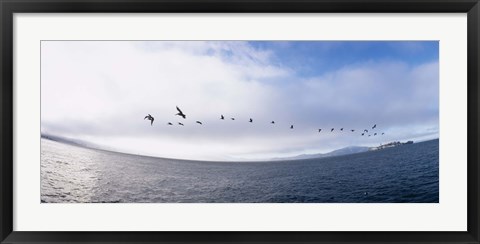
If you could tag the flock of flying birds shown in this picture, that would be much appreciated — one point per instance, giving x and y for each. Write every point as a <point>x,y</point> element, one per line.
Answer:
<point>181,114</point>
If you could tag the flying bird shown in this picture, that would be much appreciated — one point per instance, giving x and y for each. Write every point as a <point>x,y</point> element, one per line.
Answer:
<point>374,134</point>
<point>383,134</point>
<point>369,135</point>
<point>374,126</point>
<point>251,120</point>
<point>221,117</point>
<point>232,118</point>
<point>332,129</point>
<point>198,122</point>
<point>363,134</point>
<point>319,130</point>
<point>341,129</point>
<point>352,130</point>
<point>149,117</point>
<point>291,126</point>
<point>273,122</point>
<point>169,123</point>
<point>180,124</point>
<point>365,131</point>
<point>180,113</point>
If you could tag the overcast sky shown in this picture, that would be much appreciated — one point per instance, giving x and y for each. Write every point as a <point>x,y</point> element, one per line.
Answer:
<point>100,92</point>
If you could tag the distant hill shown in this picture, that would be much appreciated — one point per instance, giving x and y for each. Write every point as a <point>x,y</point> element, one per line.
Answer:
<point>338,152</point>
<point>74,142</point>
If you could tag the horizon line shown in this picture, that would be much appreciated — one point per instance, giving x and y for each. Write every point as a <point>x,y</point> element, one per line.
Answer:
<point>93,146</point>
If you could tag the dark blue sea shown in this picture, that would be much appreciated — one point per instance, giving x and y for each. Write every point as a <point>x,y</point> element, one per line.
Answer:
<point>403,174</point>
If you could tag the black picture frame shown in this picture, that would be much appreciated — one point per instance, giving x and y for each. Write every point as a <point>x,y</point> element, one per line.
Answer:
<point>9,7</point>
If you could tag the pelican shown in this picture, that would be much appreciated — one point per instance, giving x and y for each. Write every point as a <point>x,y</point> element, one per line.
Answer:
<point>149,117</point>
<point>198,122</point>
<point>180,113</point>
<point>221,117</point>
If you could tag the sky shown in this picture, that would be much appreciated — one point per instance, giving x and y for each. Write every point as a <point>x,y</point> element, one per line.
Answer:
<point>100,91</point>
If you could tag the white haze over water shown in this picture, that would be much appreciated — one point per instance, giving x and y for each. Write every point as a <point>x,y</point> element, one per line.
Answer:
<point>100,92</point>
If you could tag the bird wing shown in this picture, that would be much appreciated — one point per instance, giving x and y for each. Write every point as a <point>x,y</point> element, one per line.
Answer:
<point>180,111</point>
<point>145,117</point>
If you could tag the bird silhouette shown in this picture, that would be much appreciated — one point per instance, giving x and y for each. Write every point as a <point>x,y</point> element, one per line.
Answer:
<point>149,117</point>
<point>383,134</point>
<point>291,126</point>
<point>169,123</point>
<point>365,131</point>
<point>374,134</point>
<point>180,113</point>
<point>273,122</point>
<point>363,134</point>
<point>221,117</point>
<point>352,130</point>
<point>180,124</point>
<point>374,126</point>
<point>198,122</point>
<point>332,129</point>
<point>251,120</point>
<point>319,130</point>
<point>341,129</point>
<point>369,135</point>
<point>232,118</point>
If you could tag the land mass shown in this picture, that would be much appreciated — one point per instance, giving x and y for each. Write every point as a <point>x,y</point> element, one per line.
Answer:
<point>345,151</point>
<point>338,152</point>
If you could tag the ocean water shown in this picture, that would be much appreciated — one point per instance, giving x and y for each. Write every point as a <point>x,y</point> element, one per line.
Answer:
<point>405,174</point>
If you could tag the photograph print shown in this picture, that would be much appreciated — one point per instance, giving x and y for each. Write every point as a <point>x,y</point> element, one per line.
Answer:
<point>239,122</point>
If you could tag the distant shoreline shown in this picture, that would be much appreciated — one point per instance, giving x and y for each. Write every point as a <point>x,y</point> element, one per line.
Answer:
<point>331,154</point>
